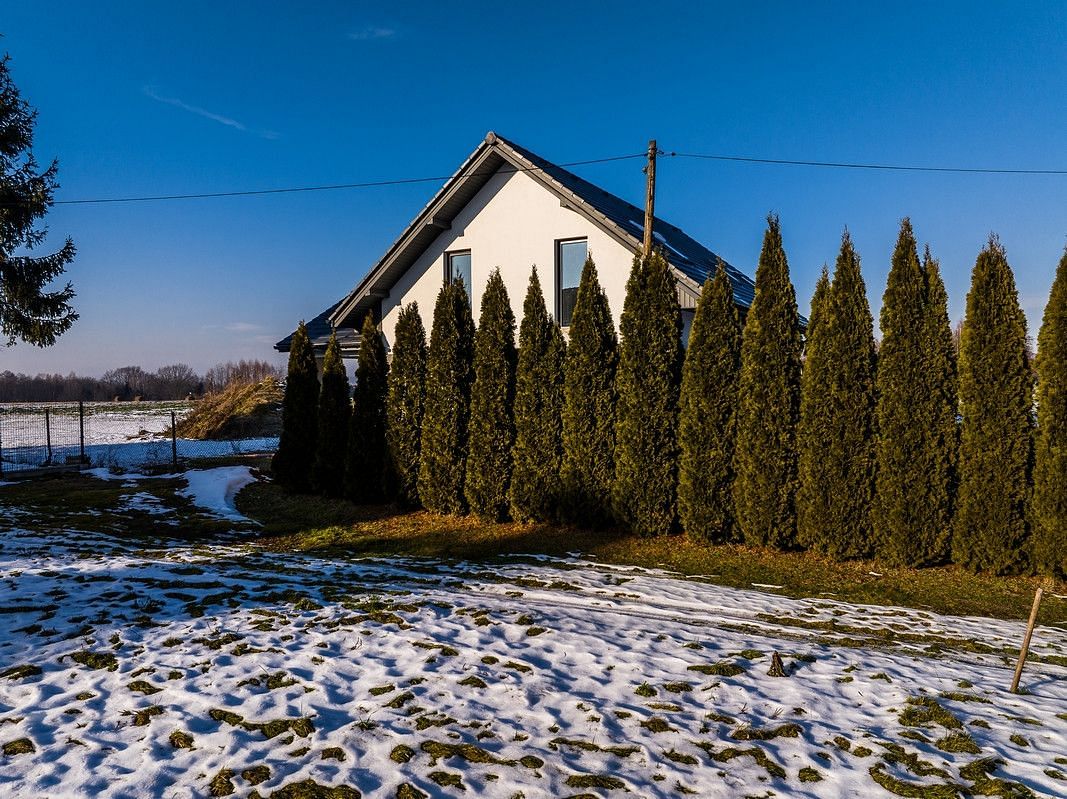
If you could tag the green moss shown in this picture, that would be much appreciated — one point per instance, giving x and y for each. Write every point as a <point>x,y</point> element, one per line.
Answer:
<point>20,746</point>
<point>408,791</point>
<point>594,781</point>
<point>680,757</point>
<point>644,689</point>
<point>469,752</point>
<point>589,746</point>
<point>808,774</point>
<point>256,774</point>
<point>656,724</point>
<point>960,696</point>
<point>444,778</point>
<point>789,730</point>
<point>473,681</point>
<point>270,729</point>
<point>400,700</point>
<point>96,660</point>
<point>1018,740</point>
<point>143,717</point>
<point>401,754</point>
<point>531,762</point>
<point>678,687</point>
<point>20,672</point>
<point>309,789</point>
<point>143,687</point>
<point>333,753</point>
<point>731,753</point>
<point>381,689</point>
<point>533,631</point>
<point>917,791</point>
<point>862,751</point>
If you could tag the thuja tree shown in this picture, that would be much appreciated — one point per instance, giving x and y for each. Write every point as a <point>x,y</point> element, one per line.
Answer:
<point>538,449</point>
<point>1050,468</point>
<point>836,435</point>
<point>589,406</point>
<point>29,312</point>
<point>769,403</point>
<point>941,393</point>
<point>293,461</point>
<point>708,414</point>
<point>491,432</point>
<point>644,493</point>
<point>996,396</point>
<point>443,449</point>
<point>365,464</point>
<point>404,405</point>
<point>335,408</point>
<point>915,412</point>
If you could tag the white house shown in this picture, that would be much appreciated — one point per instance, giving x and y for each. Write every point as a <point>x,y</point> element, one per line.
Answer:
<point>509,208</point>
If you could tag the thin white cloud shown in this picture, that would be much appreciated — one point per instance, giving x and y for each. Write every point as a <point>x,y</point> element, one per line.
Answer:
<point>371,33</point>
<point>230,122</point>
<point>243,327</point>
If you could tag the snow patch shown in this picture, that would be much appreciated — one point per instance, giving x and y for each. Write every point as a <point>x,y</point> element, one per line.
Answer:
<point>214,490</point>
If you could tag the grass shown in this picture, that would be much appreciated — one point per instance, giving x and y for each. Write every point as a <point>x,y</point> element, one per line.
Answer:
<point>314,524</point>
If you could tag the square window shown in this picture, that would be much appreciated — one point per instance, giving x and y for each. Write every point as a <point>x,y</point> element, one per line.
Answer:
<point>570,258</point>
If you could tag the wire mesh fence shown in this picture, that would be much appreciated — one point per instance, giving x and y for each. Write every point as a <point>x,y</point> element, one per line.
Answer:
<point>37,438</point>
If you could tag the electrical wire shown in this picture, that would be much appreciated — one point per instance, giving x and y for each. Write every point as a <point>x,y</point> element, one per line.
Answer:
<point>889,167</point>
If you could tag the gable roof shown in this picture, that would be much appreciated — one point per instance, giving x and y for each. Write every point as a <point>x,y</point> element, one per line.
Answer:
<point>692,262</point>
<point>620,219</point>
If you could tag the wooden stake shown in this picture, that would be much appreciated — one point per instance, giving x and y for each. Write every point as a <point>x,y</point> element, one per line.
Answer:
<point>1026,641</point>
<point>650,197</point>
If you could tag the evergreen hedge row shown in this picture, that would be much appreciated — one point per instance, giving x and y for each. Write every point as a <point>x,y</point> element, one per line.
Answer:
<point>895,452</point>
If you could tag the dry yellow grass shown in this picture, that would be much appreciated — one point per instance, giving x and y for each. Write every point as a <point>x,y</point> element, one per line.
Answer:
<point>241,410</point>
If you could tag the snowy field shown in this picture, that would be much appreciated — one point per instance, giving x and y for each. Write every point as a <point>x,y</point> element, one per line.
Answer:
<point>192,670</point>
<point>117,436</point>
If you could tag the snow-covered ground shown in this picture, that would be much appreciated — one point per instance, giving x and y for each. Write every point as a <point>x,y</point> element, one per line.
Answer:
<point>179,670</point>
<point>117,435</point>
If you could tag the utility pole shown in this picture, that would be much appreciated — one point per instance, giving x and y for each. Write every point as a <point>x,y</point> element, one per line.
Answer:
<point>650,197</point>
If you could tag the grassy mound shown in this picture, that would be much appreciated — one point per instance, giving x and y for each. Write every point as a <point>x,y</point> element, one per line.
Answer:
<point>241,410</point>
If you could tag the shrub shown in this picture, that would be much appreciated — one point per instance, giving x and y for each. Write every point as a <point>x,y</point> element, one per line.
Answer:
<point>404,406</point>
<point>292,462</point>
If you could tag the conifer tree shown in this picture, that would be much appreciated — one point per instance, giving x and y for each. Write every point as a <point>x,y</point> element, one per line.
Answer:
<point>769,405</point>
<point>365,465</point>
<point>707,420</point>
<point>836,435</point>
<point>443,450</point>
<point>1050,468</point>
<point>28,310</point>
<point>915,412</point>
<point>538,451</point>
<point>404,406</point>
<point>335,408</point>
<point>492,422</point>
<point>292,463</point>
<point>644,493</point>
<point>996,396</point>
<point>941,393</point>
<point>589,406</point>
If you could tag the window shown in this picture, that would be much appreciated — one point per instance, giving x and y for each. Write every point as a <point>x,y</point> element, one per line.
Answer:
<point>458,267</point>
<point>570,258</point>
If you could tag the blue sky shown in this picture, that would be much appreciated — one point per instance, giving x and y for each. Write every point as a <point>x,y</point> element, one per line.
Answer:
<point>145,98</point>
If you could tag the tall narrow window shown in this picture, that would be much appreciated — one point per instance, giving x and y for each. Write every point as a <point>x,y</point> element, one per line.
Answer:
<point>458,267</point>
<point>570,258</point>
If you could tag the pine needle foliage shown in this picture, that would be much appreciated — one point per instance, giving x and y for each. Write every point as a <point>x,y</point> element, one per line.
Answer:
<point>916,412</point>
<point>996,396</point>
<point>707,421</point>
<point>365,465</point>
<point>492,423</point>
<point>589,406</point>
<point>538,451</point>
<point>335,410</point>
<point>292,463</point>
<point>443,450</point>
<point>29,311</point>
<point>836,434</point>
<point>769,404</point>
<point>404,401</point>
<point>1050,468</point>
<point>644,493</point>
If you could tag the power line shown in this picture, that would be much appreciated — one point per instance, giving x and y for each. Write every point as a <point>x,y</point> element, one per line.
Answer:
<point>438,178</point>
<point>889,167</point>
<point>330,187</point>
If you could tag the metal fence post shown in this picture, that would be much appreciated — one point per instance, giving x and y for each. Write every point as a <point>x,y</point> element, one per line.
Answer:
<point>48,435</point>
<point>81,430</point>
<point>174,440</point>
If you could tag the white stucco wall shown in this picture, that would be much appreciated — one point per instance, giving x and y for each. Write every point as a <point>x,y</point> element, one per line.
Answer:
<point>512,223</point>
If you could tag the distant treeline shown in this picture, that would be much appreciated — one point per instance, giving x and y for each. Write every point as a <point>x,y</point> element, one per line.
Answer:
<point>172,382</point>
